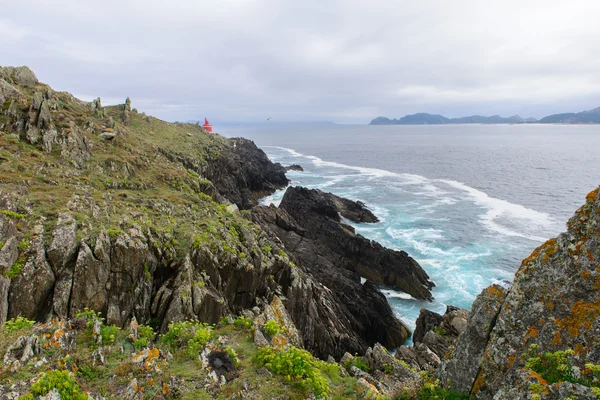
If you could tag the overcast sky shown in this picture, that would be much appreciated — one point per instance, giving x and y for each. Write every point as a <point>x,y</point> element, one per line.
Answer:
<point>346,61</point>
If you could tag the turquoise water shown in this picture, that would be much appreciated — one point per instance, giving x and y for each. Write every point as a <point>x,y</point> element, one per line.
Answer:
<point>433,193</point>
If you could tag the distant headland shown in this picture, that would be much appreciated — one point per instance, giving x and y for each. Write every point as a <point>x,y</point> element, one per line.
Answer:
<point>584,117</point>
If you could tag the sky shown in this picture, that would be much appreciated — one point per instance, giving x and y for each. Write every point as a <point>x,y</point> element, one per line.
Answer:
<point>346,61</point>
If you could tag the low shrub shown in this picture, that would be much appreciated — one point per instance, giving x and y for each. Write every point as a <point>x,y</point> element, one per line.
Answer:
<point>190,334</point>
<point>272,328</point>
<point>297,364</point>
<point>243,323</point>
<point>63,381</point>
<point>18,323</point>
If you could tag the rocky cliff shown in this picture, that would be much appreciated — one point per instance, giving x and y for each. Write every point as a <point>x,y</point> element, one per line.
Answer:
<point>541,338</point>
<point>106,208</point>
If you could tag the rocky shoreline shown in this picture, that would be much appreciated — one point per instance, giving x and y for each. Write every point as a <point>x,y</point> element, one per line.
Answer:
<point>111,220</point>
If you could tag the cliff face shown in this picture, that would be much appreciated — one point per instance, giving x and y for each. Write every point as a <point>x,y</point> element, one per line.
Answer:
<point>553,304</point>
<point>110,209</point>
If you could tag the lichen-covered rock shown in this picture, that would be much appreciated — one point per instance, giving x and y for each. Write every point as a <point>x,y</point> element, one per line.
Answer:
<point>554,302</point>
<point>31,289</point>
<point>22,76</point>
<point>460,371</point>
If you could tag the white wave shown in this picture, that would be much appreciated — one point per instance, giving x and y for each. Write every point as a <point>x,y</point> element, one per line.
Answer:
<point>392,294</point>
<point>496,208</point>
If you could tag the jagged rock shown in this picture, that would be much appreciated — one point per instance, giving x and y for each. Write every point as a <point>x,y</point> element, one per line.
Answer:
<point>20,352</point>
<point>62,255</point>
<point>355,211</point>
<point>294,167</point>
<point>31,290</point>
<point>243,173</point>
<point>317,213</point>
<point>408,355</point>
<point>461,369</point>
<point>426,321</point>
<point>21,76</point>
<point>277,312</point>
<point>7,91</point>
<point>98,356</point>
<point>134,330</point>
<point>369,391</point>
<point>358,315</point>
<point>96,106</point>
<point>90,279</point>
<point>391,374</point>
<point>149,360</point>
<point>108,135</point>
<point>74,145</point>
<point>426,358</point>
<point>127,106</point>
<point>436,343</point>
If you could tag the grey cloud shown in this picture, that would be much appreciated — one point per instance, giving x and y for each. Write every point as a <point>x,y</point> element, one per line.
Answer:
<point>346,61</point>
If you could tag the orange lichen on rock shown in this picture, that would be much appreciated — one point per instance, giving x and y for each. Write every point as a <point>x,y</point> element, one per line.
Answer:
<point>593,195</point>
<point>582,316</point>
<point>532,332</point>
<point>532,374</point>
<point>556,340</point>
<point>496,292</point>
<point>478,383</point>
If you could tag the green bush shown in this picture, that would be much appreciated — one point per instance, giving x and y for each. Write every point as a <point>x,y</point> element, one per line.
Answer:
<point>18,323</point>
<point>556,367</point>
<point>297,364</point>
<point>63,381</point>
<point>243,323</point>
<point>191,334</point>
<point>272,328</point>
<point>90,315</point>
<point>108,333</point>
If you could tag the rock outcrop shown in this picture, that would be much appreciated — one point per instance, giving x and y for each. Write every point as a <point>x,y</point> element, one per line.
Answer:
<point>243,173</point>
<point>335,245</point>
<point>554,304</point>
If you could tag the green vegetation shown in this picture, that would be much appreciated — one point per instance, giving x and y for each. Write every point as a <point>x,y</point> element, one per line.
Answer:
<point>272,327</point>
<point>439,330</point>
<point>16,268</point>
<point>357,362</point>
<point>297,364</point>
<point>432,391</point>
<point>192,335</point>
<point>243,323</point>
<point>557,367</point>
<point>12,214</point>
<point>17,324</point>
<point>63,381</point>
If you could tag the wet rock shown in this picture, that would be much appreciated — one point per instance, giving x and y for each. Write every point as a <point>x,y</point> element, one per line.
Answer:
<point>333,311</point>
<point>294,167</point>
<point>318,214</point>
<point>426,321</point>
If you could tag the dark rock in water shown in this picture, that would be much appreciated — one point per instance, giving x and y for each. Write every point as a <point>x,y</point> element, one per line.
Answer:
<point>317,214</point>
<point>427,321</point>
<point>357,316</point>
<point>554,303</point>
<point>294,167</point>
<point>355,211</point>
<point>243,173</point>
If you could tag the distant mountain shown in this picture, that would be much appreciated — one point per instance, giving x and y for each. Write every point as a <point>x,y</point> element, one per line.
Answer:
<point>435,119</point>
<point>584,117</point>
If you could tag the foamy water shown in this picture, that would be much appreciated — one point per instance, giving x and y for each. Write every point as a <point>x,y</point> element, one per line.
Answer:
<point>428,219</point>
<point>467,202</point>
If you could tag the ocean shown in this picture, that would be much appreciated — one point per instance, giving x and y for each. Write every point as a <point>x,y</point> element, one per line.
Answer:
<point>468,202</point>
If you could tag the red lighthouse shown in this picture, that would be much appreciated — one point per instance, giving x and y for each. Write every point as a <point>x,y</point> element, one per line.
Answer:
<point>207,126</point>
